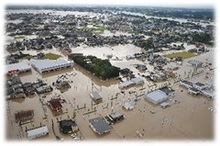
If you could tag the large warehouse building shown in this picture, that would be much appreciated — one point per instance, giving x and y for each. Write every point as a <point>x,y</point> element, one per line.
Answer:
<point>46,65</point>
<point>17,67</point>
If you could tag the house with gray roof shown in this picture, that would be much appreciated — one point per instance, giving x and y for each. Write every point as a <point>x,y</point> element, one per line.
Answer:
<point>96,96</point>
<point>99,125</point>
<point>156,97</point>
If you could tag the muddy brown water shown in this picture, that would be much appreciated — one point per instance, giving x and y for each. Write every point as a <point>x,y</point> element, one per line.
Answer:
<point>188,120</point>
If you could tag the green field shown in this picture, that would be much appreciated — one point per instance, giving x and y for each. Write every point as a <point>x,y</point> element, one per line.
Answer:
<point>51,56</point>
<point>184,55</point>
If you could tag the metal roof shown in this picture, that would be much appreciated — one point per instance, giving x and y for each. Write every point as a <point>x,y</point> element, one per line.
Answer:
<point>99,125</point>
<point>95,95</point>
<point>46,64</point>
<point>128,105</point>
<point>20,66</point>
<point>156,96</point>
<point>126,84</point>
<point>137,80</point>
<point>166,90</point>
<point>195,62</point>
<point>115,115</point>
<point>187,82</point>
<point>37,131</point>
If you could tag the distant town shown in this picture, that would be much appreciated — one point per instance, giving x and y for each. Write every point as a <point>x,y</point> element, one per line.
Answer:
<point>77,73</point>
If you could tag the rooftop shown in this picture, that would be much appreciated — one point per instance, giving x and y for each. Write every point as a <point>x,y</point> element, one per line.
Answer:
<point>137,80</point>
<point>17,66</point>
<point>55,104</point>
<point>99,125</point>
<point>126,84</point>
<point>115,115</point>
<point>166,90</point>
<point>194,89</point>
<point>187,82</point>
<point>195,62</point>
<point>66,125</point>
<point>156,96</point>
<point>95,95</point>
<point>44,64</point>
<point>199,84</point>
<point>37,131</point>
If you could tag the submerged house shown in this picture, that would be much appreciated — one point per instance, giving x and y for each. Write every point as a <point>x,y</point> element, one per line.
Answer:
<point>55,105</point>
<point>137,81</point>
<point>99,125</point>
<point>168,91</point>
<point>68,126</point>
<point>132,82</point>
<point>186,84</point>
<point>22,116</point>
<point>128,105</point>
<point>195,63</point>
<point>115,117</point>
<point>96,96</point>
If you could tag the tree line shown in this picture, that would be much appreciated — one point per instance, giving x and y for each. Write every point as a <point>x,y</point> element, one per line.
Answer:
<point>99,67</point>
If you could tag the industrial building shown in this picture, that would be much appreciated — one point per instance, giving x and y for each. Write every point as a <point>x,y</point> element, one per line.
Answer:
<point>20,67</point>
<point>46,65</point>
<point>37,132</point>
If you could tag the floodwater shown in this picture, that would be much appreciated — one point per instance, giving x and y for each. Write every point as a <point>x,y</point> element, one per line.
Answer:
<point>181,20</point>
<point>189,119</point>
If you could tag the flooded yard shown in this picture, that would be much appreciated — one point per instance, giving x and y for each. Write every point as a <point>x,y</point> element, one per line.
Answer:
<point>189,119</point>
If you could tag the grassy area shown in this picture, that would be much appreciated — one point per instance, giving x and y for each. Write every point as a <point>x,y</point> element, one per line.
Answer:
<point>99,29</point>
<point>184,55</point>
<point>51,56</point>
<point>27,57</point>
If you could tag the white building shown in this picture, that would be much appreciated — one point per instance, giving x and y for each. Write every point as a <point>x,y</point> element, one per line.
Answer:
<point>129,83</point>
<point>137,80</point>
<point>19,67</point>
<point>50,65</point>
<point>37,132</point>
<point>128,105</point>
<point>156,96</point>
<point>126,84</point>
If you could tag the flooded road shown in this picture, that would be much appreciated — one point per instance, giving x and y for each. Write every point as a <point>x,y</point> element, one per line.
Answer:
<point>189,119</point>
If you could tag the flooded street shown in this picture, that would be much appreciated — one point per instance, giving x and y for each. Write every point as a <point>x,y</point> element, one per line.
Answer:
<point>190,119</point>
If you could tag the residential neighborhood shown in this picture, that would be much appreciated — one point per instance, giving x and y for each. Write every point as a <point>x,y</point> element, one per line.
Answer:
<point>109,73</point>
